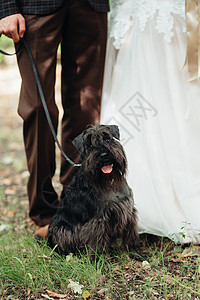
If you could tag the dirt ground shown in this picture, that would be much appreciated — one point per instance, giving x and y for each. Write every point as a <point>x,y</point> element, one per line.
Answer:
<point>13,170</point>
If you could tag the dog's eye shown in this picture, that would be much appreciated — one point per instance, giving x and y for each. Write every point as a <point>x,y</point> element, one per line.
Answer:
<point>107,138</point>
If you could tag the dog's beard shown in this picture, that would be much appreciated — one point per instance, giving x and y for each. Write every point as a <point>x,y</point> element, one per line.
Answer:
<point>104,168</point>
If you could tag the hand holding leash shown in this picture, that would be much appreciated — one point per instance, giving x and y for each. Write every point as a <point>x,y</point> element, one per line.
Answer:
<point>13,26</point>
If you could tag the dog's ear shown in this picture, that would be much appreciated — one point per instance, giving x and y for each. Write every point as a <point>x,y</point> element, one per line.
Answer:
<point>78,142</point>
<point>115,131</point>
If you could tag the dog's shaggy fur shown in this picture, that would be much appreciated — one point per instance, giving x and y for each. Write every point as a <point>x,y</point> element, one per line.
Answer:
<point>98,206</point>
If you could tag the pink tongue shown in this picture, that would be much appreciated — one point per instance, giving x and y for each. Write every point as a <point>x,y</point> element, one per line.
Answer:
<point>106,169</point>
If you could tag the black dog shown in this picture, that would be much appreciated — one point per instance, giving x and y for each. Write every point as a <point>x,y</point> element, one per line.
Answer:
<point>98,206</point>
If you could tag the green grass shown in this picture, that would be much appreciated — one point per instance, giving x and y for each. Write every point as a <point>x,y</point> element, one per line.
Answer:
<point>29,268</point>
<point>27,265</point>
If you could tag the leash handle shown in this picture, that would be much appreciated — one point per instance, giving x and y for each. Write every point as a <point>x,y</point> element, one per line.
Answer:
<point>45,105</point>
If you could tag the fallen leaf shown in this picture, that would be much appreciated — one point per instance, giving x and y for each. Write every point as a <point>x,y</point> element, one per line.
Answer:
<point>18,295</point>
<point>177,260</point>
<point>3,211</point>
<point>7,181</point>
<point>168,279</point>
<point>56,295</point>
<point>47,297</point>
<point>69,257</point>
<point>127,267</point>
<point>152,278</point>
<point>187,253</point>
<point>118,268</point>
<point>146,265</point>
<point>156,293</point>
<point>102,291</point>
<point>75,286</point>
<point>3,227</point>
<point>181,256</point>
<point>7,160</point>
<point>10,191</point>
<point>86,294</point>
<point>10,213</point>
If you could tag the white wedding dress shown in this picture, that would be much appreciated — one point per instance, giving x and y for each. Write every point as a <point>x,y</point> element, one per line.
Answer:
<point>147,94</point>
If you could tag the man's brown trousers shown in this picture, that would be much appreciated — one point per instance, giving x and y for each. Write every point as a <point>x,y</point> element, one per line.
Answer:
<point>83,35</point>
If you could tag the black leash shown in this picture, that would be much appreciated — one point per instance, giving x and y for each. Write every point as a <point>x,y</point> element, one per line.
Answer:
<point>10,54</point>
<point>22,41</point>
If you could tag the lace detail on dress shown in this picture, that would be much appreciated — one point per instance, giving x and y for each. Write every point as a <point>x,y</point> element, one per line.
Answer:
<point>139,12</point>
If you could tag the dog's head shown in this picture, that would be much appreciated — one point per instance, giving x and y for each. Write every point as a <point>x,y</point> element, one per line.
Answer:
<point>102,155</point>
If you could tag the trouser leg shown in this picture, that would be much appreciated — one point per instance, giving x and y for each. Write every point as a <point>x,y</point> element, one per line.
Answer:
<point>43,35</point>
<point>83,54</point>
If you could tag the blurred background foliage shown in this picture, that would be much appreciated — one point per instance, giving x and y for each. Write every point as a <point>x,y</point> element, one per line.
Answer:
<point>6,44</point>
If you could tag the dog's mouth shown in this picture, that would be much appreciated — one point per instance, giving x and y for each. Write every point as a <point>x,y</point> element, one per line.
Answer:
<point>107,169</point>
